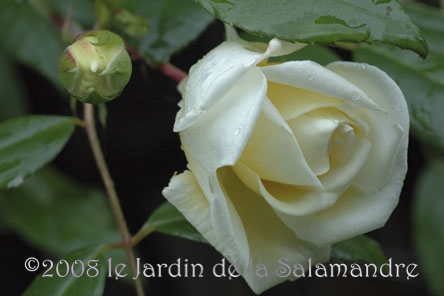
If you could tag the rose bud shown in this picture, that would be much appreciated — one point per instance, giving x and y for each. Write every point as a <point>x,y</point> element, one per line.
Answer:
<point>96,67</point>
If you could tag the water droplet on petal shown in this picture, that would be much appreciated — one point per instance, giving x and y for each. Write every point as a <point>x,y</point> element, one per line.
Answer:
<point>237,131</point>
<point>355,95</point>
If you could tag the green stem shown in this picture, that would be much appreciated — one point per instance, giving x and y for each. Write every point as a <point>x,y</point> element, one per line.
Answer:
<point>127,241</point>
<point>142,234</point>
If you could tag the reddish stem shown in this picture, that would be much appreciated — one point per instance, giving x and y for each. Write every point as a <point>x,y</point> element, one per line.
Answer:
<point>167,69</point>
<point>172,71</point>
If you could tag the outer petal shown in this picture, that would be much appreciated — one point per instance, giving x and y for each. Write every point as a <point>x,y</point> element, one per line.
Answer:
<point>389,131</point>
<point>261,237</point>
<point>217,221</point>
<point>353,214</point>
<point>269,239</point>
<point>378,86</point>
<point>210,78</point>
<point>218,138</point>
<point>184,193</point>
<point>275,47</point>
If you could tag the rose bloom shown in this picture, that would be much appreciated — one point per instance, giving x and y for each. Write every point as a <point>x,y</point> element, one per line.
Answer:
<point>286,159</point>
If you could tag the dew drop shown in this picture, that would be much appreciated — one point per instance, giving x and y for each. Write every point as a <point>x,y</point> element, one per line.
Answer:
<point>355,95</point>
<point>237,131</point>
<point>16,182</point>
<point>363,66</point>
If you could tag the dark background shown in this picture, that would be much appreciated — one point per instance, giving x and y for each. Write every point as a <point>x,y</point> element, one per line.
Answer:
<point>143,153</point>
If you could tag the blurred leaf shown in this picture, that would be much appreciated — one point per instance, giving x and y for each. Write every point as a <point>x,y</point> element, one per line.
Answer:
<point>103,13</point>
<point>167,219</point>
<point>173,24</point>
<point>111,10</point>
<point>422,81</point>
<point>71,285</point>
<point>133,25</point>
<point>81,11</point>
<point>11,94</point>
<point>322,21</point>
<point>359,248</point>
<point>29,38</point>
<point>428,221</point>
<point>28,143</point>
<point>428,18</point>
<point>56,214</point>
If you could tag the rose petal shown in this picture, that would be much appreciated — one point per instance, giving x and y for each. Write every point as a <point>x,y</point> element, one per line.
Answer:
<point>286,199</point>
<point>344,174</point>
<point>384,162</point>
<point>223,231</point>
<point>275,46</point>
<point>314,135</point>
<point>378,86</point>
<point>293,101</point>
<point>368,205</point>
<point>201,94</point>
<point>273,152</point>
<point>312,76</point>
<point>354,213</point>
<point>389,128</point>
<point>209,79</point>
<point>218,138</point>
<point>269,240</point>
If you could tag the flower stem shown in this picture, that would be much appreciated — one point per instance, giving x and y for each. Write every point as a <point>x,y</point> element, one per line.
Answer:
<point>165,68</point>
<point>172,71</point>
<point>142,234</point>
<point>127,241</point>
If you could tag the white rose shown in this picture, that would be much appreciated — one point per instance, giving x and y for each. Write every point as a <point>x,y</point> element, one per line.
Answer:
<point>286,159</point>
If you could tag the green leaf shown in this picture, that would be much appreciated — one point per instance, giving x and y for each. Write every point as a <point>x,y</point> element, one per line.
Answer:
<point>167,219</point>
<point>428,221</point>
<point>29,38</point>
<point>89,281</point>
<point>133,25</point>
<point>359,248</point>
<point>422,81</point>
<point>173,24</point>
<point>56,214</point>
<point>322,21</point>
<point>12,101</point>
<point>111,11</point>
<point>81,11</point>
<point>28,143</point>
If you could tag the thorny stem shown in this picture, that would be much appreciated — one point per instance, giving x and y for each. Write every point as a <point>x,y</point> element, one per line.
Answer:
<point>127,241</point>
